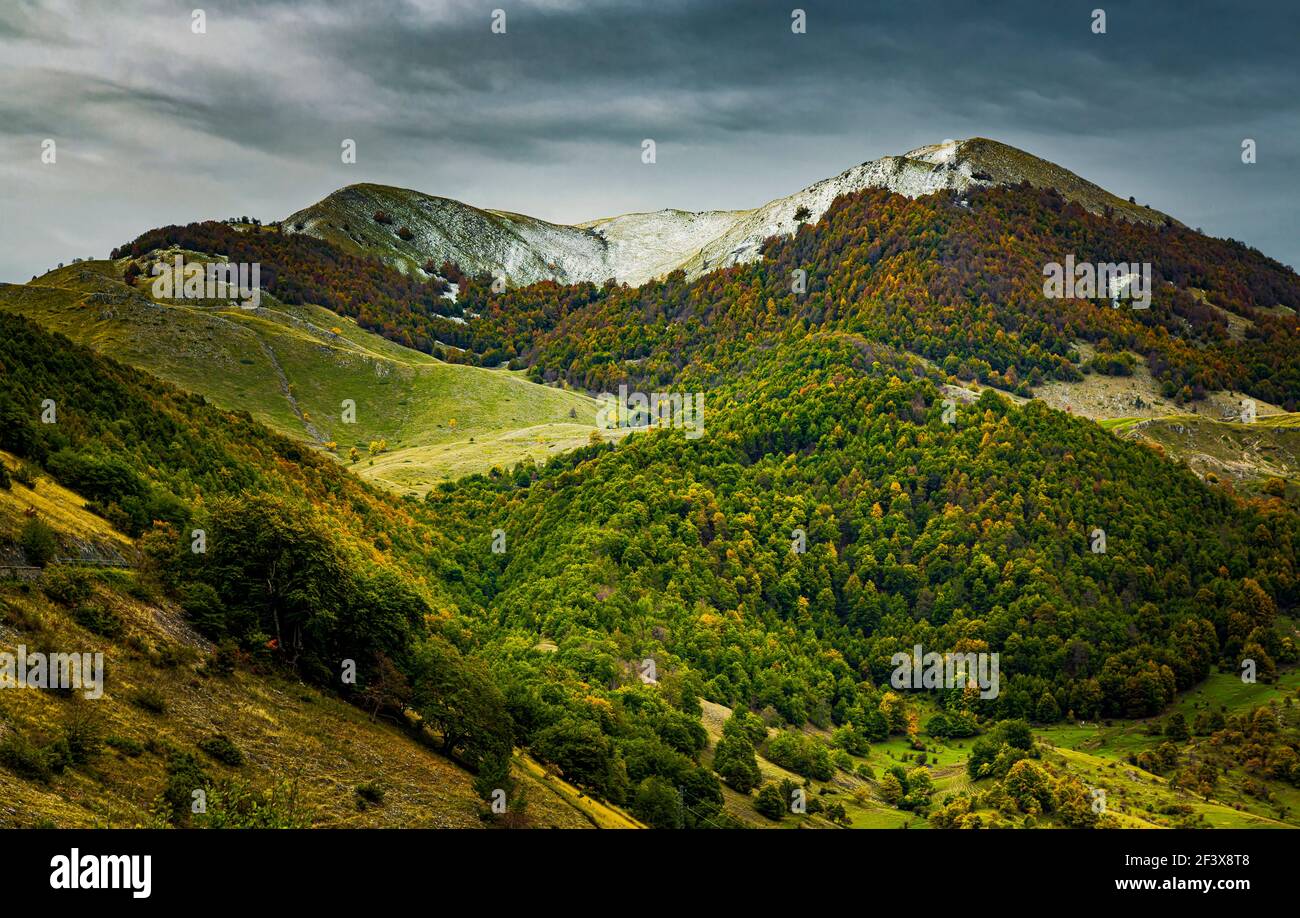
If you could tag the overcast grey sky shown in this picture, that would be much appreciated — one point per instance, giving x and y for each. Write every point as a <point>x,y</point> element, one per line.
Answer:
<point>155,124</point>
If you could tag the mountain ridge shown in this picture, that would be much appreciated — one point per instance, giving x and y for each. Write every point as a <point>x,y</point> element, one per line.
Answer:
<point>417,231</point>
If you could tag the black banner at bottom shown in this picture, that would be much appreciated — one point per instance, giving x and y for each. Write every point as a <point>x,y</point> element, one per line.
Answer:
<point>333,867</point>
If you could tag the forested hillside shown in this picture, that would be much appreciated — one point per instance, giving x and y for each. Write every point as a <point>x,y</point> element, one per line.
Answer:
<point>302,269</point>
<point>970,534</point>
<point>956,280</point>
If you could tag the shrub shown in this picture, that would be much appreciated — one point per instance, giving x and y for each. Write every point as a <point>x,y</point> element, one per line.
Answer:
<point>1031,787</point>
<point>382,216</point>
<point>184,776</point>
<point>170,656</point>
<point>125,745</point>
<point>907,790</point>
<point>66,585</point>
<point>139,590</point>
<point>851,740</point>
<point>38,542</point>
<point>24,758</point>
<point>770,803</point>
<point>801,754</point>
<point>150,699</point>
<point>99,619</point>
<point>405,234</point>
<point>953,724</point>
<point>25,475</point>
<point>369,794</point>
<point>222,749</point>
<point>994,754</point>
<point>81,736</point>
<point>494,775</point>
<point>235,805</point>
<point>221,662</point>
<point>58,755</point>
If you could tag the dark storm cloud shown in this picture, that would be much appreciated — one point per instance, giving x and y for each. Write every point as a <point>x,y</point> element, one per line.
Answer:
<point>155,124</point>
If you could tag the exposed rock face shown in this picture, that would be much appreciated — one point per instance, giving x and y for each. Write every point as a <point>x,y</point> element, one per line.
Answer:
<point>408,228</point>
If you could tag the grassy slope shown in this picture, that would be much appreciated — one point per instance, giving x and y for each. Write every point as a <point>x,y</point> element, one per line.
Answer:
<point>285,729</point>
<point>1008,164</point>
<point>600,814</point>
<point>1098,752</point>
<point>291,367</point>
<point>1269,447</point>
<point>82,531</point>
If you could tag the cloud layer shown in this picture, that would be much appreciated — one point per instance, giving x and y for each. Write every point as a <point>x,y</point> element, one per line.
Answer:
<point>155,124</point>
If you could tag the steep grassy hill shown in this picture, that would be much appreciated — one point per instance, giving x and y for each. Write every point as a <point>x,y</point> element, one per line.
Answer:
<point>303,755</point>
<point>293,366</point>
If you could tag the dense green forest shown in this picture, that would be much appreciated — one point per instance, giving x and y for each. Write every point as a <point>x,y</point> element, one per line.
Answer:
<point>972,535</point>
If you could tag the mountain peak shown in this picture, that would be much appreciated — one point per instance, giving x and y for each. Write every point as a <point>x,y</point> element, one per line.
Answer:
<point>937,153</point>
<point>992,162</point>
